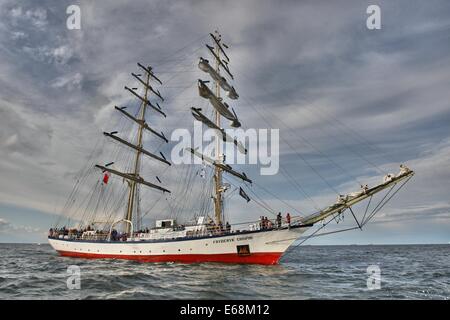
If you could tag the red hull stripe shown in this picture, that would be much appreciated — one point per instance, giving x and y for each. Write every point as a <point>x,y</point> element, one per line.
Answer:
<point>254,258</point>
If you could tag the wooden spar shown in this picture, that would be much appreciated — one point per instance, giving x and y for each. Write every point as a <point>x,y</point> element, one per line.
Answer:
<point>221,166</point>
<point>160,135</point>
<point>148,86</point>
<point>202,118</point>
<point>220,47</point>
<point>131,177</point>
<point>215,54</point>
<point>137,148</point>
<point>340,207</point>
<point>215,101</point>
<point>225,168</point>
<point>145,101</point>
<point>225,137</point>
<point>149,71</point>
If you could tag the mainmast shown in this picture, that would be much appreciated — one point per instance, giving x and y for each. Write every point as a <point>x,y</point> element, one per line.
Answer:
<point>134,178</point>
<point>132,184</point>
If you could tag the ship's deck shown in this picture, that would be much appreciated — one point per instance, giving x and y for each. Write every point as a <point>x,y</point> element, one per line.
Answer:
<point>186,238</point>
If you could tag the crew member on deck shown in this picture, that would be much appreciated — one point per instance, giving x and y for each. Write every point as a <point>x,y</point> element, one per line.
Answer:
<point>288,219</point>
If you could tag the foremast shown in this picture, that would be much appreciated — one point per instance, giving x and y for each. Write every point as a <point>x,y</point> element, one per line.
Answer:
<point>221,110</point>
<point>134,178</point>
<point>218,188</point>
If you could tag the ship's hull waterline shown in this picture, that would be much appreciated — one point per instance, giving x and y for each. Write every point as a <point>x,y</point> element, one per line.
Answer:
<point>260,247</point>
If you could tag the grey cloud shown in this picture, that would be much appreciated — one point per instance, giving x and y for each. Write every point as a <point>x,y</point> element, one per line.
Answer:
<point>19,135</point>
<point>70,82</point>
<point>60,54</point>
<point>3,224</point>
<point>8,228</point>
<point>36,17</point>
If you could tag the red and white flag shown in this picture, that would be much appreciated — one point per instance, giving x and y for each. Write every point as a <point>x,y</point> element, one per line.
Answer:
<point>106,177</point>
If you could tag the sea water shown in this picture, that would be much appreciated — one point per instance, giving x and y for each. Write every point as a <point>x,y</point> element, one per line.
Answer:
<point>31,271</point>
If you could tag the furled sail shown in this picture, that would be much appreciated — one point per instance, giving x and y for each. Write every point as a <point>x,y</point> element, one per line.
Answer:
<point>222,107</point>
<point>206,67</point>
<point>226,137</point>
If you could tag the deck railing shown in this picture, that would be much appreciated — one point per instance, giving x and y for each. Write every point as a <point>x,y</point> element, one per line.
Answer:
<point>203,231</point>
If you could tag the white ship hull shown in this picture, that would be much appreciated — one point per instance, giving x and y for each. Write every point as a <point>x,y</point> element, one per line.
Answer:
<point>258,247</point>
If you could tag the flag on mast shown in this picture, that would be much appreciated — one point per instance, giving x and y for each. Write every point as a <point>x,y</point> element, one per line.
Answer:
<point>106,177</point>
<point>243,194</point>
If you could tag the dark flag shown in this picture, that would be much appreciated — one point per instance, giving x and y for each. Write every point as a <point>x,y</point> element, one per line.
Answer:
<point>243,194</point>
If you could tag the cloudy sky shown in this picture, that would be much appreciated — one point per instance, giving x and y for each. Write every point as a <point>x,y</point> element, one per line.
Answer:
<point>351,103</point>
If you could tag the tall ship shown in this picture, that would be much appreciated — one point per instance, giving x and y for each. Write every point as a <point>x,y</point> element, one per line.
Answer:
<point>108,222</point>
